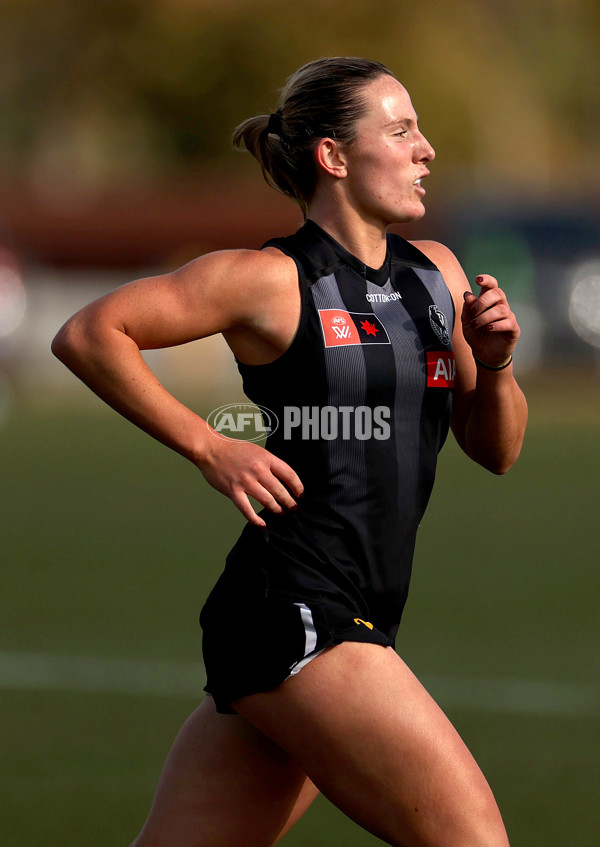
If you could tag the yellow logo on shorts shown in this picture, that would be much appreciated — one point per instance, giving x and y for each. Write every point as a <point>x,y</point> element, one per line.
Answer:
<point>366,623</point>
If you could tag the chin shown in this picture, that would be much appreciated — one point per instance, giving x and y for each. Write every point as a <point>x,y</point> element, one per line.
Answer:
<point>407,216</point>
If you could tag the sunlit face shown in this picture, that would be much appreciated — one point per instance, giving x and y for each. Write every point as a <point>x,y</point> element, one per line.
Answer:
<point>389,158</point>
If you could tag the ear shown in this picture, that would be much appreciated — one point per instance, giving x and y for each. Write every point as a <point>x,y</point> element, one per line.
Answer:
<point>330,156</point>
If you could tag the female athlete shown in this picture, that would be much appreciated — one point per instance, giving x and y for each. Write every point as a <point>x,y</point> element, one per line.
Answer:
<point>348,335</point>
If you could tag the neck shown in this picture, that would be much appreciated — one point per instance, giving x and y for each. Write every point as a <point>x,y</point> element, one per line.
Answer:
<point>364,240</point>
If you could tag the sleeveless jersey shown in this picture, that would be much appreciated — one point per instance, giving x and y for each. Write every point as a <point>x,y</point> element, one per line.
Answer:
<point>362,402</point>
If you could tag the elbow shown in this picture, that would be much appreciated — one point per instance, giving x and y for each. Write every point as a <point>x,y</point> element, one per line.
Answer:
<point>70,343</point>
<point>59,346</point>
<point>497,452</point>
<point>64,343</point>
<point>499,465</point>
<point>495,458</point>
<point>500,468</point>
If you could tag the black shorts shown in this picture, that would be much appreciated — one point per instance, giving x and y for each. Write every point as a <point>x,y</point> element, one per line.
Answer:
<point>255,637</point>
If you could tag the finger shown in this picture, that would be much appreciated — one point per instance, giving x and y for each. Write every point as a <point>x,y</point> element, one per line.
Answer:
<point>281,494</point>
<point>240,499</point>
<point>265,487</point>
<point>288,476</point>
<point>506,325</point>
<point>493,314</point>
<point>467,313</point>
<point>489,300</point>
<point>487,297</point>
<point>486,282</point>
<point>263,492</point>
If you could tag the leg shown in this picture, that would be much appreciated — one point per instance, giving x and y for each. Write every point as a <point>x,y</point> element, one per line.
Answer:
<point>370,737</point>
<point>225,784</point>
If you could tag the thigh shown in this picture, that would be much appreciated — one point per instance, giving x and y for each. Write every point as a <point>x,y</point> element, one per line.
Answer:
<point>372,739</point>
<point>225,784</point>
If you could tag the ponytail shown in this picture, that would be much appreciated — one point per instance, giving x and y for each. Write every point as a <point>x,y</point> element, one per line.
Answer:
<point>321,100</point>
<point>281,165</point>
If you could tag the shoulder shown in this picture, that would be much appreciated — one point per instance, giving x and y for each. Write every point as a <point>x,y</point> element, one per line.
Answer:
<point>437,253</point>
<point>450,268</point>
<point>237,267</point>
<point>246,279</point>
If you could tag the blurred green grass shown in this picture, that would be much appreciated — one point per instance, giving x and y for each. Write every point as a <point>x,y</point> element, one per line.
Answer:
<point>110,544</point>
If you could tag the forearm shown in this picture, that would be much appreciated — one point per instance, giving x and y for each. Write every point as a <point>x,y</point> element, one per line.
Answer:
<point>494,424</point>
<point>111,365</point>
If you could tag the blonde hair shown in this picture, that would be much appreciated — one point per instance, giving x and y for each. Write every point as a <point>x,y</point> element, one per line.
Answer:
<point>321,100</point>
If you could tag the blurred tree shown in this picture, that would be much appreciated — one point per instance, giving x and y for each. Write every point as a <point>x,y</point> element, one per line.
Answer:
<point>132,89</point>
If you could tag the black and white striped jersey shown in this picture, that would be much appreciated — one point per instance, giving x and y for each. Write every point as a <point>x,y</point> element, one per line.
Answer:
<point>362,401</point>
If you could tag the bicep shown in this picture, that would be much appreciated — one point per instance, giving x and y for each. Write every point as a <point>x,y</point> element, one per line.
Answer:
<point>457,283</point>
<point>163,311</point>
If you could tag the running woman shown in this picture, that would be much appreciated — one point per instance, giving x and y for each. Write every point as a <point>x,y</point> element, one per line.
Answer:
<point>367,348</point>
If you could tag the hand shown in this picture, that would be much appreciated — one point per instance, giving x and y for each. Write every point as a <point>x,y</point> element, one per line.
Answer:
<point>489,326</point>
<point>241,469</point>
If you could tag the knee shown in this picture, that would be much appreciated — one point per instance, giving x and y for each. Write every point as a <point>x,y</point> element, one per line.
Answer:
<point>146,840</point>
<point>483,828</point>
<point>161,836</point>
<point>476,822</point>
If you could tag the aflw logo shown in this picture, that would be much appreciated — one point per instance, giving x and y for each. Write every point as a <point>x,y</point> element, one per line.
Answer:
<point>341,327</point>
<point>341,331</point>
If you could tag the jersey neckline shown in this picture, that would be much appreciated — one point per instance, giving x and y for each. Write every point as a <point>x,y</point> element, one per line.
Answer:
<point>377,275</point>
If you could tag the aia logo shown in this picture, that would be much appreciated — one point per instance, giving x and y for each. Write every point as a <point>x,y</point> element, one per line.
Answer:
<point>341,327</point>
<point>441,369</point>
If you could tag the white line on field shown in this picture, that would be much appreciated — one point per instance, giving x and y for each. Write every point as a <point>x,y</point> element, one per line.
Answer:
<point>47,672</point>
<point>51,672</point>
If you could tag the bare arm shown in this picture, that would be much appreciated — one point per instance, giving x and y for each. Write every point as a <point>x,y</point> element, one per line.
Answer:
<point>101,344</point>
<point>489,409</point>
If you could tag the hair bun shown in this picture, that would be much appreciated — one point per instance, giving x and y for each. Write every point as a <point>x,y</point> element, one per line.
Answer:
<point>275,125</point>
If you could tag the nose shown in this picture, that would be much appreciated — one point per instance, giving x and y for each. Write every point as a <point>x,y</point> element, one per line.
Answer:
<point>423,151</point>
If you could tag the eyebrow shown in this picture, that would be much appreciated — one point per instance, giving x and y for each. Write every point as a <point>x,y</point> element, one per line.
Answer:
<point>406,121</point>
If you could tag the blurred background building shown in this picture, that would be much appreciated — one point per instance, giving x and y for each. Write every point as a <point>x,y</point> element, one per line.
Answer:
<point>115,155</point>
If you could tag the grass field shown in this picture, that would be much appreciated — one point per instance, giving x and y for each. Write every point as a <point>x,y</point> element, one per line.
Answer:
<point>110,544</point>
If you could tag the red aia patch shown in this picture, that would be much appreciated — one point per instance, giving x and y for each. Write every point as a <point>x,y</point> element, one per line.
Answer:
<point>441,369</point>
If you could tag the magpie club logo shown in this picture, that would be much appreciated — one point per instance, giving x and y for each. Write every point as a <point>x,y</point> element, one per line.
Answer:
<point>439,324</point>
